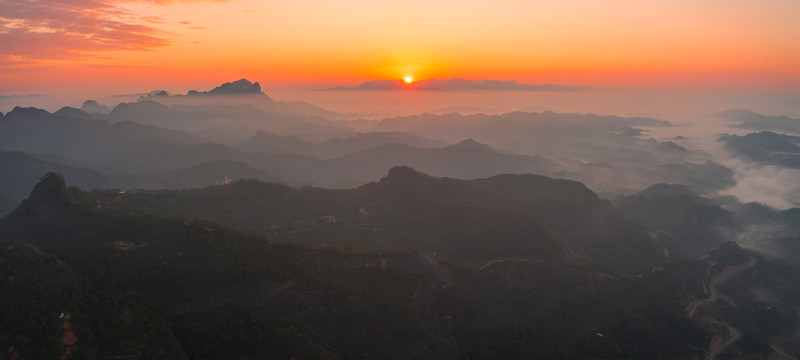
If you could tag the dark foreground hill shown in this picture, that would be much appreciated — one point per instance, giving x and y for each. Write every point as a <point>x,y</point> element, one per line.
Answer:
<point>501,216</point>
<point>697,224</point>
<point>86,281</point>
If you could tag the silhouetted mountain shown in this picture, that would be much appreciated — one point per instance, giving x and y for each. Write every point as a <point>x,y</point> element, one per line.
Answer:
<point>765,147</point>
<point>92,107</point>
<point>72,112</point>
<point>22,171</point>
<point>124,147</point>
<point>143,112</point>
<point>243,92</point>
<point>238,87</point>
<point>26,113</point>
<point>747,119</point>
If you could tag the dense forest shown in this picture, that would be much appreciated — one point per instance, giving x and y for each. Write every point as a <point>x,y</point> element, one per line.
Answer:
<point>85,279</point>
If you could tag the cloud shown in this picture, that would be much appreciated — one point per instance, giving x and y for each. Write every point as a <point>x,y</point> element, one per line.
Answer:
<point>153,19</point>
<point>58,29</point>
<point>23,96</point>
<point>70,29</point>
<point>771,185</point>
<point>11,60</point>
<point>455,85</point>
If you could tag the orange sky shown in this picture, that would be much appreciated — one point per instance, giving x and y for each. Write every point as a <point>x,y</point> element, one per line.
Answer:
<point>52,46</point>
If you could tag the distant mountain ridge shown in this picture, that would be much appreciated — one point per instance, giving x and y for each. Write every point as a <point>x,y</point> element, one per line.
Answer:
<point>238,87</point>
<point>333,148</point>
<point>765,147</point>
<point>748,119</point>
<point>500,216</point>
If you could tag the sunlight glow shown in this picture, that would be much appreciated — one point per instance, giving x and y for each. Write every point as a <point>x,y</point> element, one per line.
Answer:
<point>408,79</point>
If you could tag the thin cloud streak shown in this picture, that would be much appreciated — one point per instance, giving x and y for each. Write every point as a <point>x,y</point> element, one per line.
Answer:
<point>74,29</point>
<point>455,85</point>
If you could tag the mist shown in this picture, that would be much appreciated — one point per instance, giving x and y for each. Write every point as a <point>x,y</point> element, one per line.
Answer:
<point>400,205</point>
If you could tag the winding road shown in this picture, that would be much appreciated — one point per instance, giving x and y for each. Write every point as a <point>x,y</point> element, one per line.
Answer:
<point>715,348</point>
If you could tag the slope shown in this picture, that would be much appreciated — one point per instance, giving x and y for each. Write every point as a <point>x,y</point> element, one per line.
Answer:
<point>235,295</point>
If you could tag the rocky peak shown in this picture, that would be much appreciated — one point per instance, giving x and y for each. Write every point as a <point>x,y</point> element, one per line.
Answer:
<point>91,106</point>
<point>47,200</point>
<point>51,187</point>
<point>238,87</point>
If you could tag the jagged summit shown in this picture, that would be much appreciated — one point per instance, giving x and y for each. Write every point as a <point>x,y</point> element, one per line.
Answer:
<point>52,186</point>
<point>242,87</point>
<point>239,87</point>
<point>48,198</point>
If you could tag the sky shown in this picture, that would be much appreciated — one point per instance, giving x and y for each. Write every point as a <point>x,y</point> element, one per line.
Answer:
<point>104,46</point>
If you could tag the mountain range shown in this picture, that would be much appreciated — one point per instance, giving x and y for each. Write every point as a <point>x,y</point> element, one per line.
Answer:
<point>98,282</point>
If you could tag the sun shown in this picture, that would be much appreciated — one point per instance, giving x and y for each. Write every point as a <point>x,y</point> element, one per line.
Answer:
<point>408,79</point>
